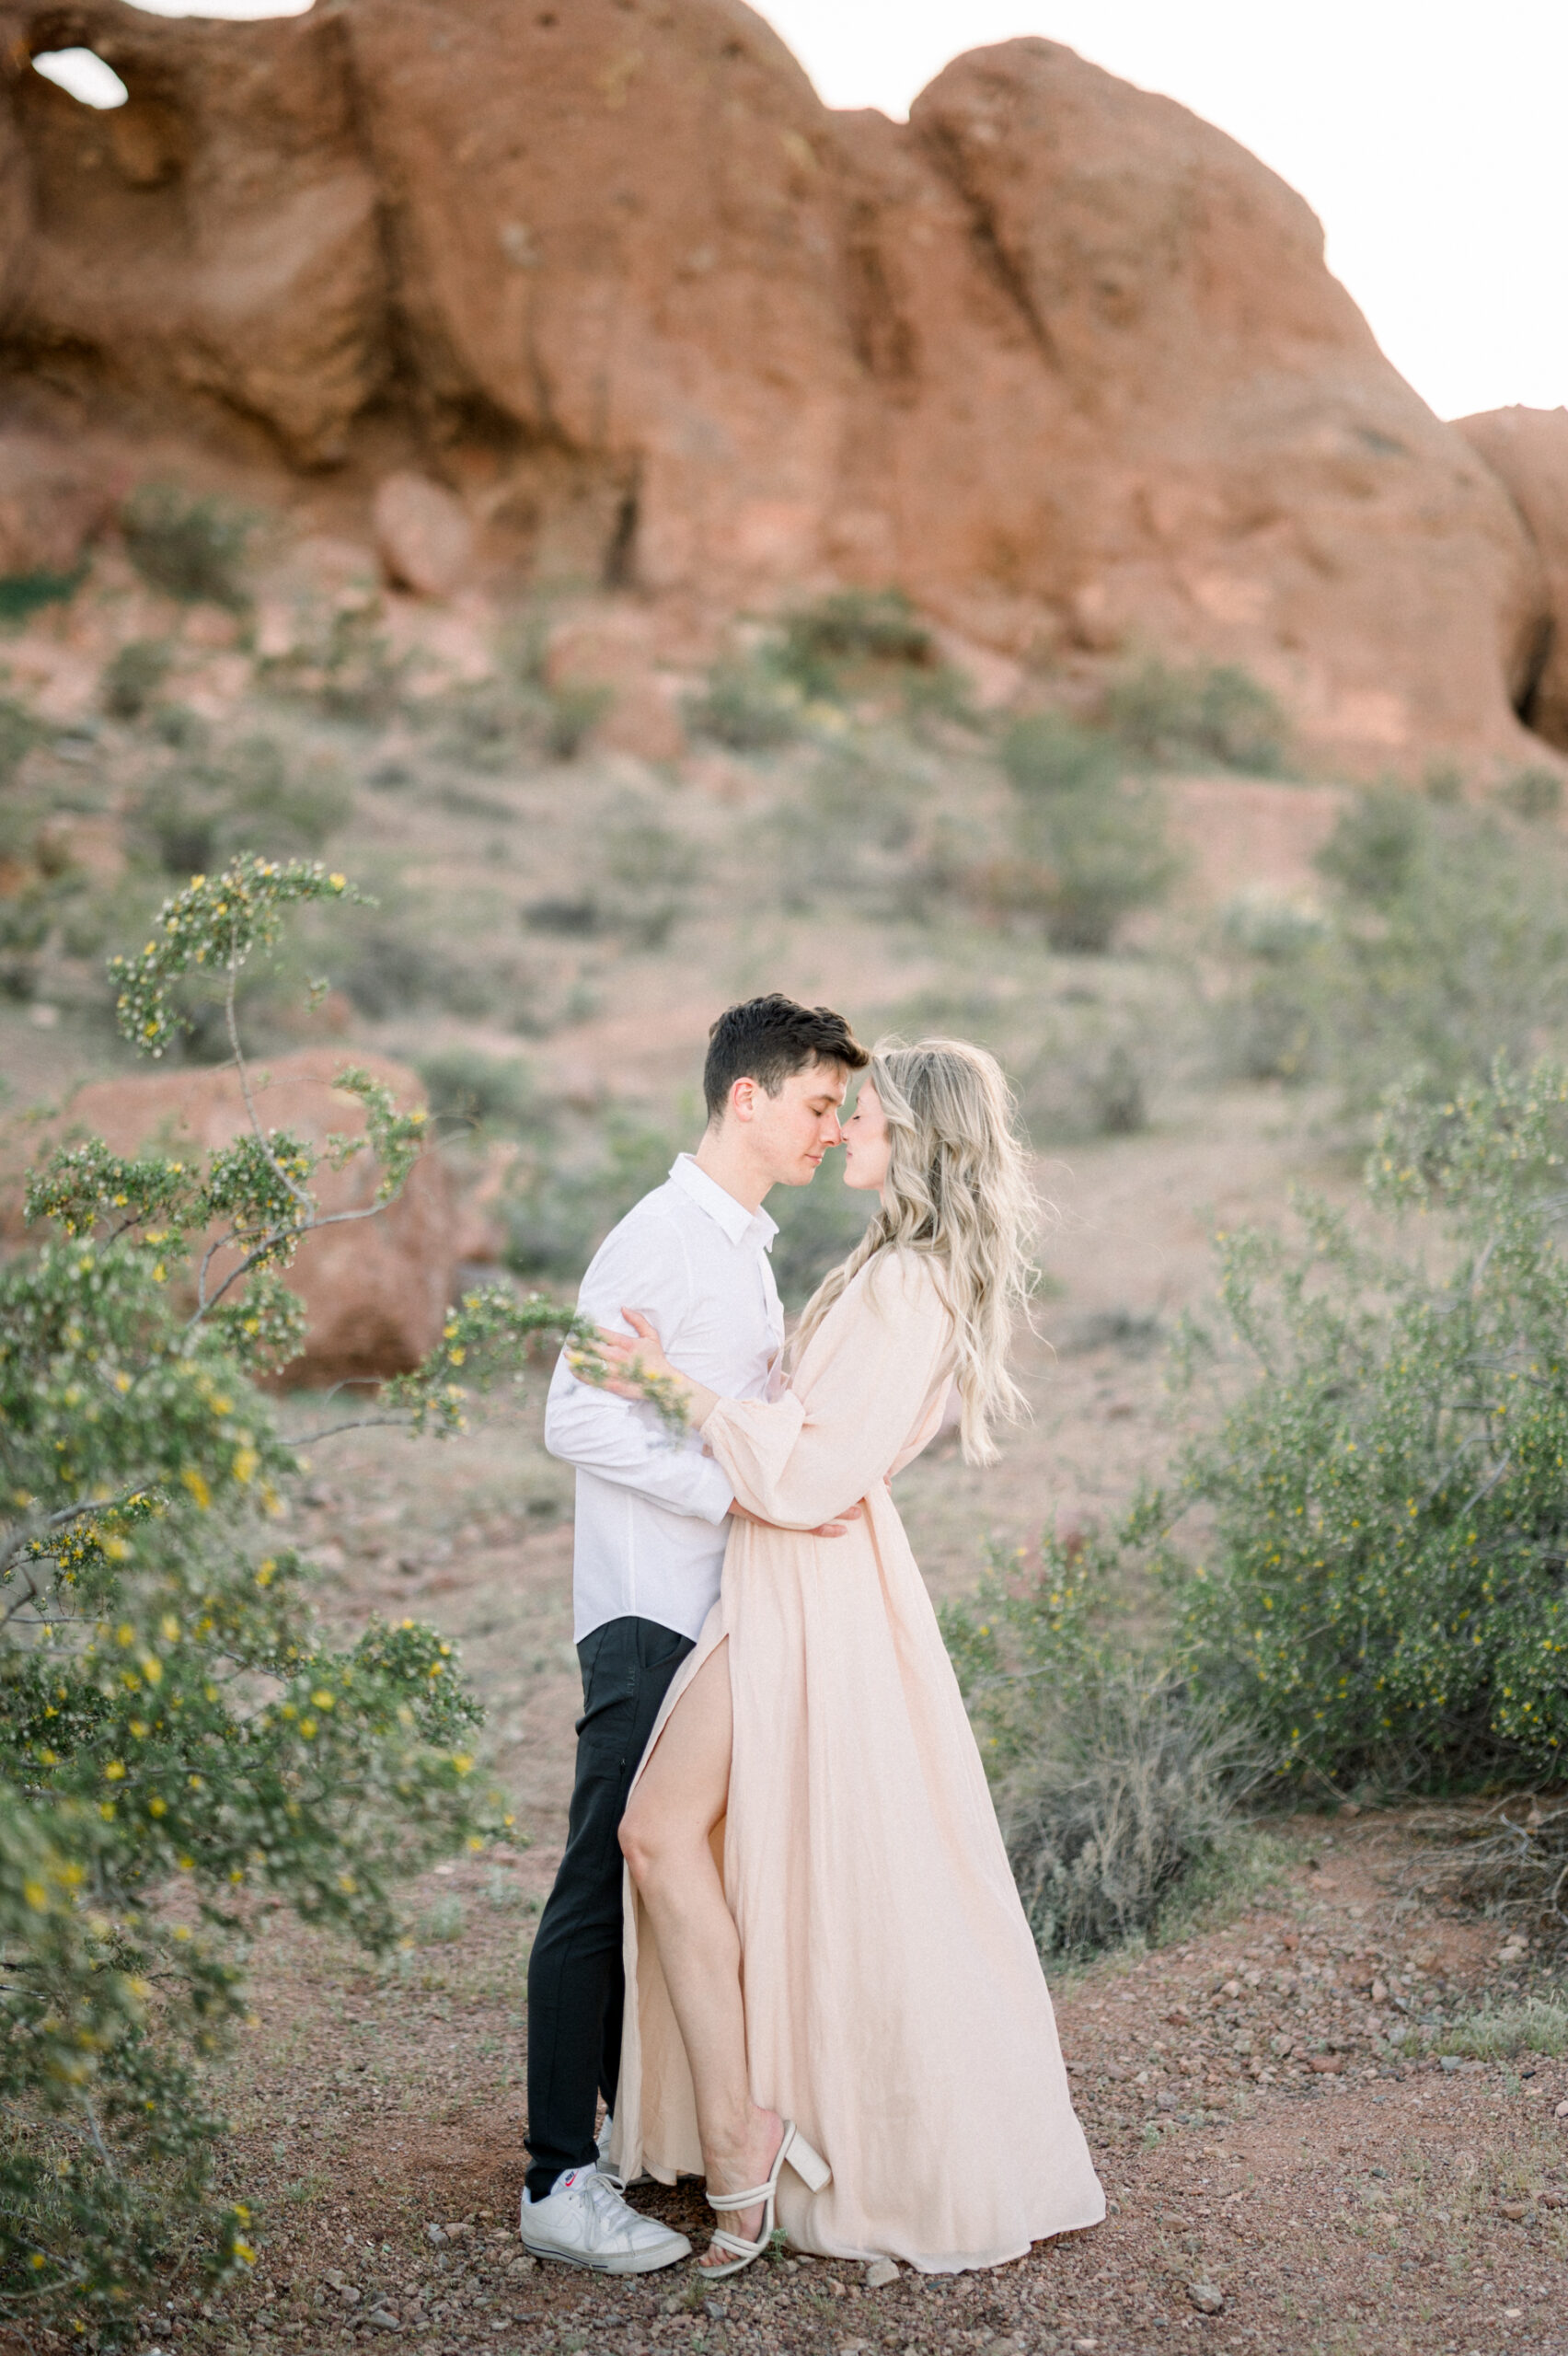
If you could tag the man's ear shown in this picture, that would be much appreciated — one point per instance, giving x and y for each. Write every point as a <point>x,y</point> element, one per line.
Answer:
<point>743,1099</point>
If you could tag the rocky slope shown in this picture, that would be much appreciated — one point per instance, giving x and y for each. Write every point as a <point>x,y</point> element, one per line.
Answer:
<point>1057,357</point>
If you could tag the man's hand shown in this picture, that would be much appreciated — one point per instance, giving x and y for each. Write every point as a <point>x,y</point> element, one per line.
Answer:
<point>824,1530</point>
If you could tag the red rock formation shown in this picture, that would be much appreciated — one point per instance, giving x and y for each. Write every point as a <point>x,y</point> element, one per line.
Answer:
<point>1058,357</point>
<point>1527,449</point>
<point>375,1290</point>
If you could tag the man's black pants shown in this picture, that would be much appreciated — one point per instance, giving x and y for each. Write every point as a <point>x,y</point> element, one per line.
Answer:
<point>576,1985</point>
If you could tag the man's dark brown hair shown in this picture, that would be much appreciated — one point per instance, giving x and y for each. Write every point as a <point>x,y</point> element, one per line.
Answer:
<point>766,1039</point>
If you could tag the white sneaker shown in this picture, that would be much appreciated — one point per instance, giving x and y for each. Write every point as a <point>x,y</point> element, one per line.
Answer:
<point>607,2167</point>
<point>585,2222</point>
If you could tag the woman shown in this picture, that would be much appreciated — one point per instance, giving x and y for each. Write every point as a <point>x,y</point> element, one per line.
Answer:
<point>825,1953</point>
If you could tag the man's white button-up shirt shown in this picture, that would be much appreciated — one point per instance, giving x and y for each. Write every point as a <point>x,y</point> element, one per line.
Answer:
<point>652,1512</point>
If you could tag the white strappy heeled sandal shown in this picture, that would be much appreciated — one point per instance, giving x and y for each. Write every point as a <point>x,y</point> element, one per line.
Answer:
<point>813,2173</point>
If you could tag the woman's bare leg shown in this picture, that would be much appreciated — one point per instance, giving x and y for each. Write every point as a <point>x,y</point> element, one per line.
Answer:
<point>682,1795</point>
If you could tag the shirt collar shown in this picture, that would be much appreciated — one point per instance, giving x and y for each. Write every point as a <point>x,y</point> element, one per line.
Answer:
<point>733,1218</point>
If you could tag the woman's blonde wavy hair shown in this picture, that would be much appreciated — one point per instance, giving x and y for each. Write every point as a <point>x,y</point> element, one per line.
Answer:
<point>959,1190</point>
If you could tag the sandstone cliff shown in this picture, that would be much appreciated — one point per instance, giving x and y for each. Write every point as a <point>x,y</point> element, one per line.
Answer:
<point>1057,356</point>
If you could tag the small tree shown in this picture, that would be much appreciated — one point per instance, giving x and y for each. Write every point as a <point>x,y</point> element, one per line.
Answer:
<point>178,1744</point>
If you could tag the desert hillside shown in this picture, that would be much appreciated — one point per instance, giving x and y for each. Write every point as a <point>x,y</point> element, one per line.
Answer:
<point>1056,358</point>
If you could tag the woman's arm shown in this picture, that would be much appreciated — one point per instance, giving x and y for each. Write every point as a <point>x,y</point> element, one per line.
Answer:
<point>868,1373</point>
<point>635,1361</point>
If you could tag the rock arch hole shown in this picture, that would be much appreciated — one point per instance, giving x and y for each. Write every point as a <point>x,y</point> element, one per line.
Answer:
<point>84,75</point>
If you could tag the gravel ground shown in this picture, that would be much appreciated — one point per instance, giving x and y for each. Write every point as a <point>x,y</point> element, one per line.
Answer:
<point>1281,2178</point>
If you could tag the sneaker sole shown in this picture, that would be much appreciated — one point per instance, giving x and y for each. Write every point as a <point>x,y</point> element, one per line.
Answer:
<point>650,2262</point>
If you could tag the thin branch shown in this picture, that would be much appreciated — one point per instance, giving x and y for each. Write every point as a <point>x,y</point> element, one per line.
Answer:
<point>282,1176</point>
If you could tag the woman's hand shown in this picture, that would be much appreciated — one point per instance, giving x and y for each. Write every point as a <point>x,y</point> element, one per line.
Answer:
<point>634,1366</point>
<point>628,1355</point>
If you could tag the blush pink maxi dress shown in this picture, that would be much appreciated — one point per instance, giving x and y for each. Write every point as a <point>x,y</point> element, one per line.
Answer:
<point>895,2006</point>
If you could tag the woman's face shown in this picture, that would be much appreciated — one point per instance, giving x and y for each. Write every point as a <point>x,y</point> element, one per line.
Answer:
<point>867,1146</point>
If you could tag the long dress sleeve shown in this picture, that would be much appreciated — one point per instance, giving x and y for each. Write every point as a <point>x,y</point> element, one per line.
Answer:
<point>852,1402</point>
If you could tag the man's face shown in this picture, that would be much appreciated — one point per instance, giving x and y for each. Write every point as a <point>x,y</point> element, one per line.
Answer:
<point>789,1134</point>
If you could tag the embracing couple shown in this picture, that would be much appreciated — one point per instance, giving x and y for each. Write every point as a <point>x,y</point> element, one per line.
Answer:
<point>784,1942</point>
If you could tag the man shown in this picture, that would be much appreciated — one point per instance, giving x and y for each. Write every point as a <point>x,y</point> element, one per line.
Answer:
<point>653,1516</point>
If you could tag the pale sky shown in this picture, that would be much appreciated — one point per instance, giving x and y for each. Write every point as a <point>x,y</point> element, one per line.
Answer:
<point>1426,134</point>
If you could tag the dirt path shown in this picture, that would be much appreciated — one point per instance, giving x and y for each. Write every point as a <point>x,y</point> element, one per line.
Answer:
<point>1257,2152</point>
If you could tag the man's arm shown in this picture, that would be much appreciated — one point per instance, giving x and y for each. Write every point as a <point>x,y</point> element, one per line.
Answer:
<point>617,1439</point>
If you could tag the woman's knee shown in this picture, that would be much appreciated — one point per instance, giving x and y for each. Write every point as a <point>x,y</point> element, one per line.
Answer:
<point>658,1846</point>
<point>642,1845</point>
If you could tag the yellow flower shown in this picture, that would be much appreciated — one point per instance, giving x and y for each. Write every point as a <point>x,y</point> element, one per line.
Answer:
<point>197,1486</point>
<point>156,1807</point>
<point>114,1771</point>
<point>36,1895</point>
<point>246,1460</point>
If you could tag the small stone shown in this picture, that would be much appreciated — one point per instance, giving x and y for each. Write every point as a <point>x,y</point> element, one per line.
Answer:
<point>1165,2099</point>
<point>422,534</point>
<point>1206,2297</point>
<point>1561,2110</point>
<point>1514,2209</point>
<point>384,2319</point>
<point>1448,2063</point>
<point>880,2274</point>
<point>434,2234</point>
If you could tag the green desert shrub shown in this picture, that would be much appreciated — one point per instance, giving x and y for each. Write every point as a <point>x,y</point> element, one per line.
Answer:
<point>1118,1789</point>
<point>574,710</point>
<point>181,1744</point>
<point>564,1202</point>
<point>22,595</point>
<point>19,732</point>
<point>1091,844</point>
<point>851,631</point>
<point>748,705</point>
<point>1047,754</point>
<point>466,1084</point>
<point>1384,1591</point>
<point>1450,943</point>
<point>1127,1793</point>
<point>252,794</point>
<point>132,676</point>
<point>1532,793</point>
<point>1442,940</point>
<point>1535,2025</point>
<point>1174,715</point>
<point>190,548</point>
